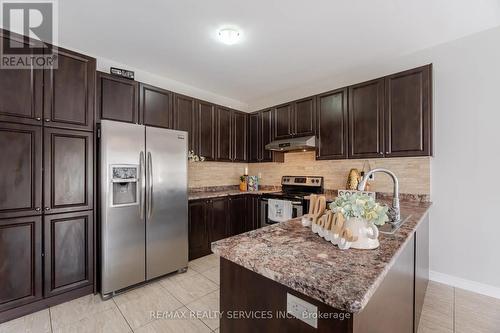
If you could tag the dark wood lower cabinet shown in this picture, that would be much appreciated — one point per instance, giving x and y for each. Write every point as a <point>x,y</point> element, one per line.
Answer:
<point>213,219</point>
<point>20,261</point>
<point>69,254</point>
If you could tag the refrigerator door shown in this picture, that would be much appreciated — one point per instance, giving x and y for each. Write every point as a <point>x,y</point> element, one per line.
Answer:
<point>166,201</point>
<point>122,174</point>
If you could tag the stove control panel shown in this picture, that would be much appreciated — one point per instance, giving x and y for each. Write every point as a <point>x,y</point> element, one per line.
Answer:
<point>302,181</point>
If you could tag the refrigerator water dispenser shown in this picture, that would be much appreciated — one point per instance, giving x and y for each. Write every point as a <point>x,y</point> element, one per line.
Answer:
<point>124,185</point>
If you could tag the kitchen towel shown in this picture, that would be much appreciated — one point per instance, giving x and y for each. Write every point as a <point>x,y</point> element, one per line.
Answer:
<point>279,210</point>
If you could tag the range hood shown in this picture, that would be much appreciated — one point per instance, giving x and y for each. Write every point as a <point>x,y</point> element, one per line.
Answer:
<point>302,143</point>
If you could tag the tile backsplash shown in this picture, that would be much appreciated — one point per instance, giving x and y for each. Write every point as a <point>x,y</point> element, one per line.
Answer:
<point>413,172</point>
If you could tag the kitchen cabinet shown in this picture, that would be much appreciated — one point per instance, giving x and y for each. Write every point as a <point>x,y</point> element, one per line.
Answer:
<point>205,130</point>
<point>156,106</point>
<point>253,212</point>
<point>198,225</point>
<point>117,98</point>
<point>69,92</point>
<point>68,170</point>
<point>21,170</point>
<point>21,261</point>
<point>260,133</point>
<point>254,137</point>
<point>332,125</point>
<point>239,136</point>
<point>283,119</point>
<point>184,117</point>
<point>68,252</point>
<point>238,212</point>
<point>421,267</point>
<point>21,92</point>
<point>224,129</point>
<point>366,119</point>
<point>219,226</point>
<point>408,113</point>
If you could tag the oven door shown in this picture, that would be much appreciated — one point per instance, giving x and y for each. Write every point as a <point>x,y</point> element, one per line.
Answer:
<point>297,210</point>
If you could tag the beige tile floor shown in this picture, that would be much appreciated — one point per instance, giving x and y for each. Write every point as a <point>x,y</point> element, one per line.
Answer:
<point>446,309</point>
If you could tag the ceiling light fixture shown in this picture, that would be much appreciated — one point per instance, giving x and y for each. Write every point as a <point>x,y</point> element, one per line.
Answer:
<point>229,36</point>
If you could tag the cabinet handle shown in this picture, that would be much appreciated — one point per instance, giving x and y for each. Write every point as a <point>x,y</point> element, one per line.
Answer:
<point>381,153</point>
<point>47,208</point>
<point>47,119</point>
<point>38,118</point>
<point>38,209</point>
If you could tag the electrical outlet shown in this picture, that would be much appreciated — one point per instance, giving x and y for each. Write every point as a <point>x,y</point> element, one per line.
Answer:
<point>302,310</point>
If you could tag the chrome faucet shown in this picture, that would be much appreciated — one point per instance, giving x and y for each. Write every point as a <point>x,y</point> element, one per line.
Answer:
<point>394,211</point>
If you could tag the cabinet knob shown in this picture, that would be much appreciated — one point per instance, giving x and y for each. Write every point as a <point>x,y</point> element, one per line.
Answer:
<point>38,209</point>
<point>387,152</point>
<point>47,119</point>
<point>47,208</point>
<point>381,153</point>
<point>38,118</point>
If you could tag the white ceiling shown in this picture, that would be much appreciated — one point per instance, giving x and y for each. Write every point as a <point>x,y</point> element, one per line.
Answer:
<point>286,43</point>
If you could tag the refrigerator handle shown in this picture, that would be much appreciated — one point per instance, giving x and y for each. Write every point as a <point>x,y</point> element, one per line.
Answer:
<point>142,174</point>
<point>150,185</point>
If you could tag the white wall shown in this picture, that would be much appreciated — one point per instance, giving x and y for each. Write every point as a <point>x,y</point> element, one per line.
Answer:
<point>465,220</point>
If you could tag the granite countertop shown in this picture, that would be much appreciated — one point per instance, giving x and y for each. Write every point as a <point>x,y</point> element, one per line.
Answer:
<point>294,256</point>
<point>224,193</point>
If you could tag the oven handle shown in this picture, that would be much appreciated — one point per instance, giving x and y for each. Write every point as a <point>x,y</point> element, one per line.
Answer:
<point>296,203</point>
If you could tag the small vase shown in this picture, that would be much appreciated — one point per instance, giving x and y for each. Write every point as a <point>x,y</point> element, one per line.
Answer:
<point>243,186</point>
<point>366,233</point>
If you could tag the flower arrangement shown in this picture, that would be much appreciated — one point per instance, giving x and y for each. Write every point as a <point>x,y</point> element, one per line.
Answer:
<point>360,205</point>
<point>195,158</point>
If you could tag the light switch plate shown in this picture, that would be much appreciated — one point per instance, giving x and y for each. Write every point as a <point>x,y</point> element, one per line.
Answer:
<point>302,310</point>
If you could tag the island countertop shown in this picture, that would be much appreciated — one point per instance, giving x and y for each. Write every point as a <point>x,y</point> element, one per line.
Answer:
<point>294,256</point>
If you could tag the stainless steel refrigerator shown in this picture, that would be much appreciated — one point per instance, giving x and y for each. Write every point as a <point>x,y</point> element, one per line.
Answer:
<point>144,203</point>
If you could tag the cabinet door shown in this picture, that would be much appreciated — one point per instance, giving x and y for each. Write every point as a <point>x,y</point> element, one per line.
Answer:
<point>266,135</point>
<point>117,98</point>
<point>223,117</point>
<point>238,214</point>
<point>68,251</point>
<point>421,267</point>
<point>21,92</point>
<point>198,229</point>
<point>20,261</point>
<point>254,139</point>
<point>304,116</point>
<point>253,212</point>
<point>206,130</point>
<point>68,160</point>
<point>184,108</point>
<point>283,121</point>
<point>156,106</point>
<point>239,136</point>
<point>69,92</point>
<point>332,125</point>
<point>408,113</point>
<point>20,170</point>
<point>366,113</point>
<point>219,219</point>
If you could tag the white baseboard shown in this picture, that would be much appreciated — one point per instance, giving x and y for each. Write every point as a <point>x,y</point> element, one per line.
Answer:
<point>469,285</point>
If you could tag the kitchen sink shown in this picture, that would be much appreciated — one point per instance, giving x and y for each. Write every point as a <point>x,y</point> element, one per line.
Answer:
<point>390,228</point>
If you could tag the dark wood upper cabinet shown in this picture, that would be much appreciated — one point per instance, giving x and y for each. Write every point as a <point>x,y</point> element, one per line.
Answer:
<point>283,121</point>
<point>267,136</point>
<point>184,109</point>
<point>117,98</point>
<point>21,93</point>
<point>366,119</point>
<point>69,92</point>
<point>304,117</point>
<point>68,251</point>
<point>254,137</point>
<point>68,172</point>
<point>198,229</point>
<point>224,129</point>
<point>205,130</point>
<point>239,136</point>
<point>156,106</point>
<point>260,133</point>
<point>20,261</point>
<point>332,125</point>
<point>21,170</point>
<point>219,226</point>
<point>408,113</point>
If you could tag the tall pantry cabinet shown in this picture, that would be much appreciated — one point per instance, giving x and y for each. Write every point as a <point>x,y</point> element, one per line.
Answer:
<point>47,183</point>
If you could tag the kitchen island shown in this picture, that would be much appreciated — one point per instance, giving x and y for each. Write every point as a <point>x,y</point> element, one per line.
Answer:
<point>379,290</point>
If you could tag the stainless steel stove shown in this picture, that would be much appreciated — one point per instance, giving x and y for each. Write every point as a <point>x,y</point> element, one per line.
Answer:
<point>294,189</point>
